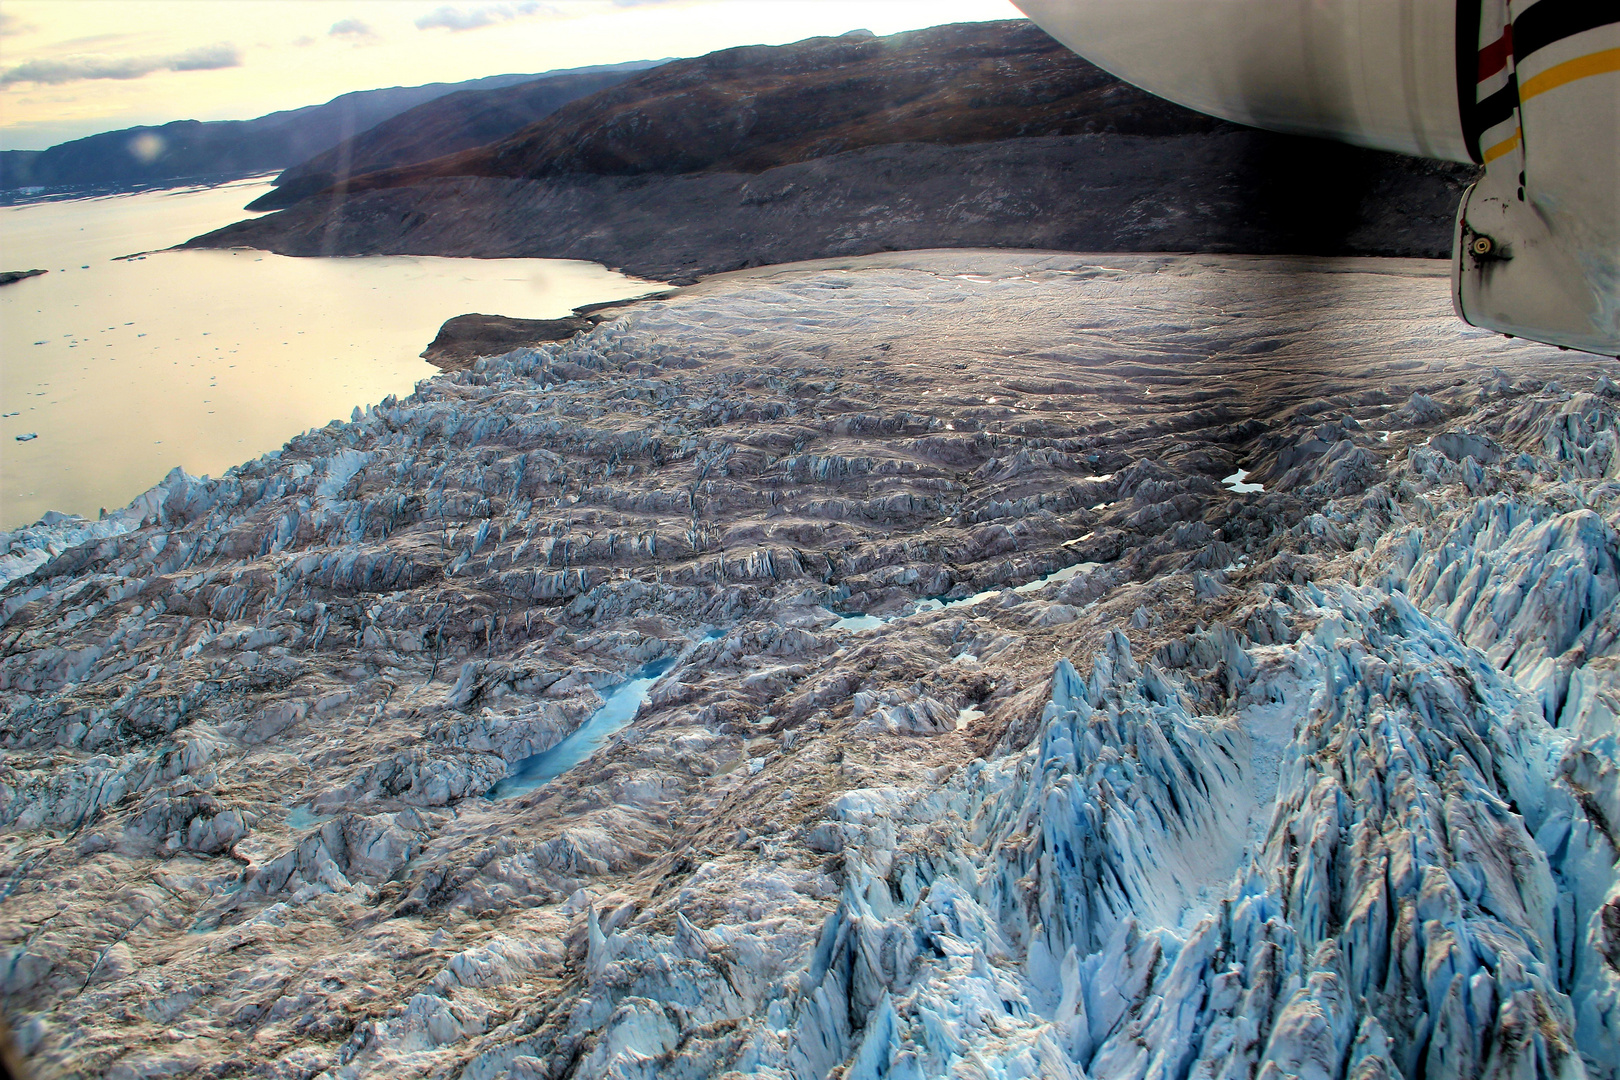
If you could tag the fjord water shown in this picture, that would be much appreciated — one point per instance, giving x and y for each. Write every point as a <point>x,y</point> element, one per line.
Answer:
<point>204,359</point>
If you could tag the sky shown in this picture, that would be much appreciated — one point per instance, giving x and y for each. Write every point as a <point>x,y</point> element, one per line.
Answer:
<point>70,68</point>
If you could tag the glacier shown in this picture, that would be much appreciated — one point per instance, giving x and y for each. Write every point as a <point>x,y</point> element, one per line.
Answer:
<point>1233,694</point>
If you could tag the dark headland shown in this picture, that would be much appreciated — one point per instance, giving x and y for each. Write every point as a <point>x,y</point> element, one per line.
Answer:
<point>463,339</point>
<point>973,135</point>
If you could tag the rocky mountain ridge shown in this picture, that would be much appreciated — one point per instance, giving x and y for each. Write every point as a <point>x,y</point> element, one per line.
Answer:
<point>228,149</point>
<point>983,134</point>
<point>447,124</point>
<point>758,107</point>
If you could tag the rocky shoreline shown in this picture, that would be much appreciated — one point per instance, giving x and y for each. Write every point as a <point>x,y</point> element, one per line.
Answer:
<point>465,338</point>
<point>1209,670</point>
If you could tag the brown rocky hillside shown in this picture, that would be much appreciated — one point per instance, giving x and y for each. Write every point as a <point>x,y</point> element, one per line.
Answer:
<point>445,125</point>
<point>758,107</point>
<point>974,135</point>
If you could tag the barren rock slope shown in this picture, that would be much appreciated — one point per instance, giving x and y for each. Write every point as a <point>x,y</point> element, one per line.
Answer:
<point>996,724</point>
<point>969,135</point>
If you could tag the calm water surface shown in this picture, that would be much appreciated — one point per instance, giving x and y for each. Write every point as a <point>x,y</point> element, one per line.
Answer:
<point>619,707</point>
<point>204,359</point>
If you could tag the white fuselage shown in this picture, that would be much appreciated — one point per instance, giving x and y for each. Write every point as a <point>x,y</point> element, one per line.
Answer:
<point>1538,236</point>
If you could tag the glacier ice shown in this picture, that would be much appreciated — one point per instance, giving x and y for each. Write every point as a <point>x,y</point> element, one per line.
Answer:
<point>1122,773</point>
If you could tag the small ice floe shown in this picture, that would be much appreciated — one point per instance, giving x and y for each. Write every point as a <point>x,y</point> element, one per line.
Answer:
<point>28,436</point>
<point>1235,482</point>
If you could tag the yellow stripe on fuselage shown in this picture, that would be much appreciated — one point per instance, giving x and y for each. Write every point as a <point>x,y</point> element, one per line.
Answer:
<point>1501,148</point>
<point>1598,63</point>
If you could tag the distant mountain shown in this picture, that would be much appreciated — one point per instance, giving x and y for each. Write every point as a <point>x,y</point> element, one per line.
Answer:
<point>191,149</point>
<point>973,135</point>
<point>17,167</point>
<point>445,125</point>
<point>758,107</point>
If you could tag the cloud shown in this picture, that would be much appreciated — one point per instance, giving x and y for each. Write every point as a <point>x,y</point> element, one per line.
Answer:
<point>76,68</point>
<point>352,28</point>
<point>92,39</point>
<point>206,58</point>
<point>455,19</point>
<point>11,26</point>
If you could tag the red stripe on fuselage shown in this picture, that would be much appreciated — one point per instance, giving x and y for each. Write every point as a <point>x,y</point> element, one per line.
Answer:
<point>1494,57</point>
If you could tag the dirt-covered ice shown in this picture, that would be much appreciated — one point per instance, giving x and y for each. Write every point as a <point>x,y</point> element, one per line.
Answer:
<point>1131,666</point>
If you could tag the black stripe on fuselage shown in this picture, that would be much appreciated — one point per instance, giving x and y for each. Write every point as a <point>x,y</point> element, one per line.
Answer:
<point>1553,20</point>
<point>1497,108</point>
<point>1467,75</point>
